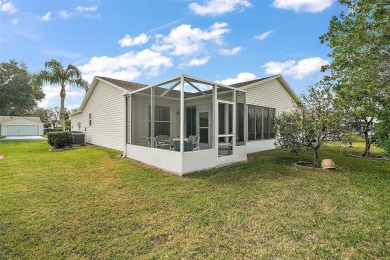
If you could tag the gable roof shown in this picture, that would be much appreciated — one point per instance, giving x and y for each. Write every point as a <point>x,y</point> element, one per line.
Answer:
<point>9,118</point>
<point>115,83</point>
<point>253,83</point>
<point>127,85</point>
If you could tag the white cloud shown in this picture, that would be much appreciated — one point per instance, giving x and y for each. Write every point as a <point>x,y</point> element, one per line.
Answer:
<point>127,66</point>
<point>163,26</point>
<point>184,40</point>
<point>230,52</point>
<point>15,21</point>
<point>297,70</point>
<point>263,36</point>
<point>65,15</point>
<point>196,62</point>
<point>7,7</point>
<point>46,17</point>
<point>84,11</point>
<point>273,67</point>
<point>311,6</point>
<point>52,97</point>
<point>138,40</point>
<point>219,7</point>
<point>241,77</point>
<point>92,8</point>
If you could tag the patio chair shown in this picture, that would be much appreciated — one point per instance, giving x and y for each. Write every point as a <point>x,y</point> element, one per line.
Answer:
<point>228,147</point>
<point>195,142</point>
<point>158,142</point>
<point>187,145</point>
<point>163,138</point>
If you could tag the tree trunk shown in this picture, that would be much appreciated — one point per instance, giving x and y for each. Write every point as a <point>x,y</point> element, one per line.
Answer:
<point>62,109</point>
<point>316,157</point>
<point>366,152</point>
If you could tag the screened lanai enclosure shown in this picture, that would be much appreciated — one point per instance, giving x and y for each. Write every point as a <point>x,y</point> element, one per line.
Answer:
<point>186,124</point>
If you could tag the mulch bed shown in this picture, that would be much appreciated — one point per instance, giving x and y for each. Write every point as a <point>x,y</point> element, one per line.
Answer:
<point>310,166</point>
<point>372,157</point>
<point>61,149</point>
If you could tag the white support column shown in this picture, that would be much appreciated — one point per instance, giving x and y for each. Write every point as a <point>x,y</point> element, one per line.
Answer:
<point>152,135</point>
<point>227,121</point>
<point>215,118</point>
<point>125,126</point>
<point>182,114</point>
<point>234,112</point>
<point>245,121</point>
<point>130,118</point>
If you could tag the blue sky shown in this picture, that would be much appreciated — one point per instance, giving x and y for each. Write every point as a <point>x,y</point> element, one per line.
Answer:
<point>148,41</point>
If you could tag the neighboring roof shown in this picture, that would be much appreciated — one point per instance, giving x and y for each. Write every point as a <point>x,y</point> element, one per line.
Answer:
<point>131,86</point>
<point>9,118</point>
<point>245,83</point>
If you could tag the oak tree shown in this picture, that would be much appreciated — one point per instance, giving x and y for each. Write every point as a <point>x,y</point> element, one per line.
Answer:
<point>18,97</point>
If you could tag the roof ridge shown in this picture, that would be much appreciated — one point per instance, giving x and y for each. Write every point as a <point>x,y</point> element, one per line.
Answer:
<point>127,85</point>
<point>244,83</point>
<point>102,77</point>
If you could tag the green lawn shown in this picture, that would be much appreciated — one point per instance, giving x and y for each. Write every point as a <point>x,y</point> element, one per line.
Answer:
<point>85,203</point>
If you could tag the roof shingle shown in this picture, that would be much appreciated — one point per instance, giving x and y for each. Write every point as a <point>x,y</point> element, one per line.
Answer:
<point>124,84</point>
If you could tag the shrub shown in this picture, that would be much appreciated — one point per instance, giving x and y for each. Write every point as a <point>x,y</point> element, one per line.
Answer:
<point>60,139</point>
<point>382,133</point>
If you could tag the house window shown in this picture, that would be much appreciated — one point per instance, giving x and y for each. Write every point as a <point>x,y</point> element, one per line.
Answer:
<point>162,122</point>
<point>260,122</point>
<point>90,119</point>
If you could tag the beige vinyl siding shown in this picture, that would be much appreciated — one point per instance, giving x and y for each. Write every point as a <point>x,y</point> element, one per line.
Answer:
<point>106,104</point>
<point>74,119</point>
<point>270,94</point>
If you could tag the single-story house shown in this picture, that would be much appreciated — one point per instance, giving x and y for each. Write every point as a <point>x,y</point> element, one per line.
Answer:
<point>183,124</point>
<point>20,126</point>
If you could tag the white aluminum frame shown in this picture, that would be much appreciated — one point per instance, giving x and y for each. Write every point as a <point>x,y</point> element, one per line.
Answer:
<point>179,162</point>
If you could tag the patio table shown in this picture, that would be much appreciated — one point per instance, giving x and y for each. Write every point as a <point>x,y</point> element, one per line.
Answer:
<point>168,142</point>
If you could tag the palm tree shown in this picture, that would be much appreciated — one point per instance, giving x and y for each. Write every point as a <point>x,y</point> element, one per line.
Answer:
<point>54,73</point>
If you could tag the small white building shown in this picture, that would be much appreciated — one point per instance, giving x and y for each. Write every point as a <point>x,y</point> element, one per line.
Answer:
<point>183,124</point>
<point>20,126</point>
